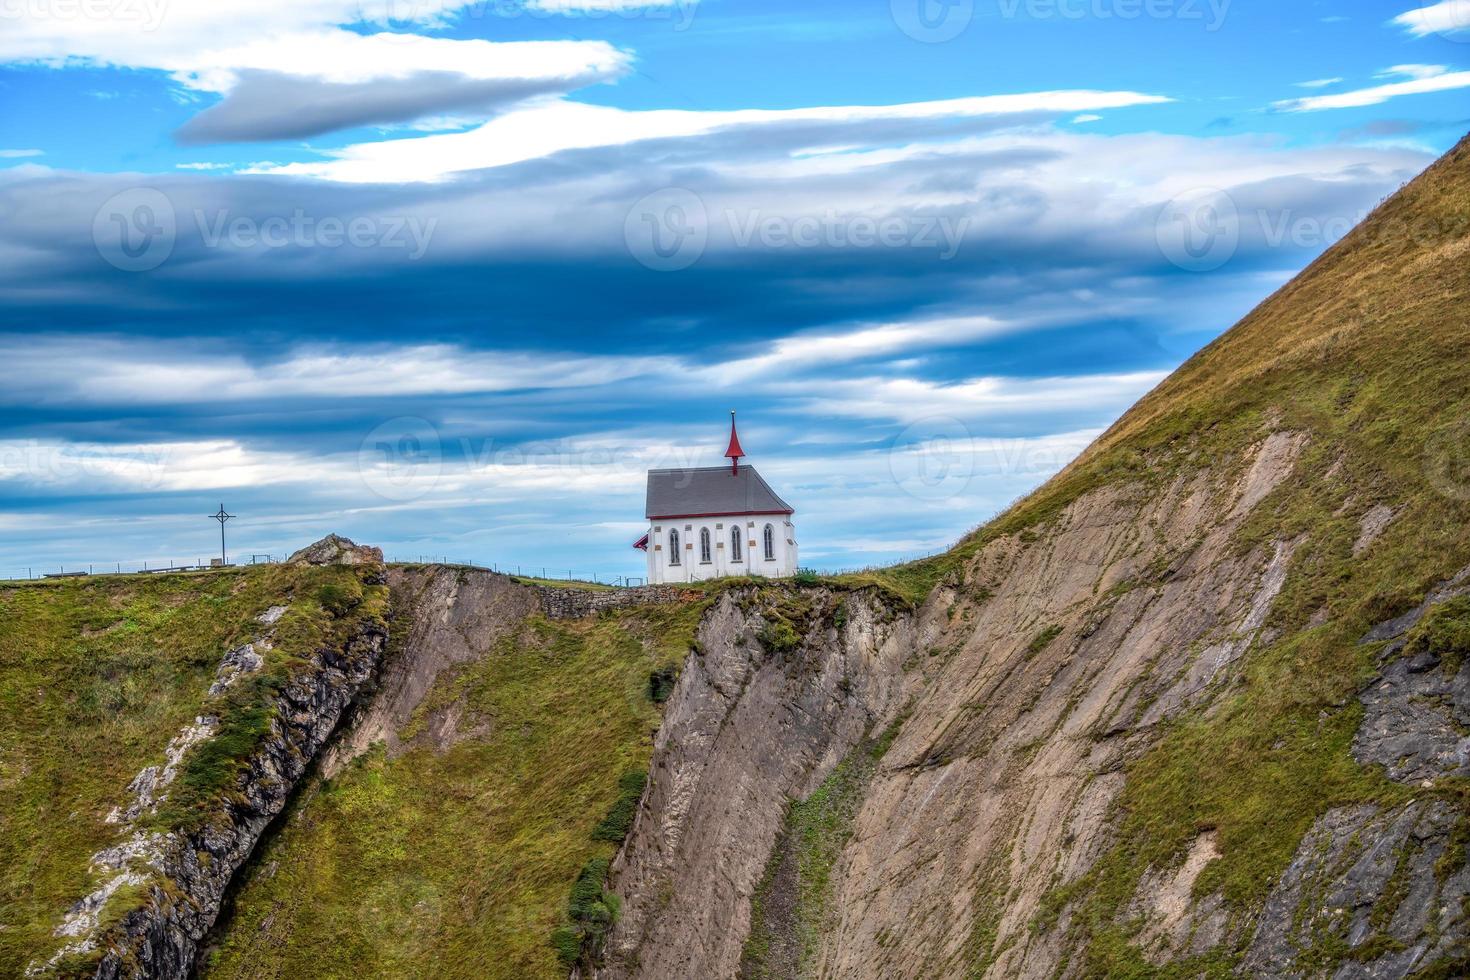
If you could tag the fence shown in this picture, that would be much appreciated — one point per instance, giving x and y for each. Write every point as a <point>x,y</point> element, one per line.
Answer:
<point>82,569</point>
<point>148,567</point>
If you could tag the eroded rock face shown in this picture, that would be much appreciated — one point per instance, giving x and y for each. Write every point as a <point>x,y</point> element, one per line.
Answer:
<point>160,938</point>
<point>1390,885</point>
<point>1026,682</point>
<point>750,727</point>
<point>450,617</point>
<point>1059,658</point>
<point>1415,720</point>
<point>1367,874</point>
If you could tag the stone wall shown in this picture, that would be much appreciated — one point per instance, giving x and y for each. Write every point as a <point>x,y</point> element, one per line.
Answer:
<point>579,603</point>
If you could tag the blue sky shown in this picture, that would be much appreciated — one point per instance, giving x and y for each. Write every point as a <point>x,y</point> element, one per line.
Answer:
<point>450,277</point>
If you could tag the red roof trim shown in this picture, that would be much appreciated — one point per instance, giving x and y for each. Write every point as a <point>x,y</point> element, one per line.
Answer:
<point>732,513</point>
<point>642,543</point>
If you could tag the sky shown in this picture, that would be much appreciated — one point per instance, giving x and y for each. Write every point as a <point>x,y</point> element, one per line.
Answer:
<point>449,278</point>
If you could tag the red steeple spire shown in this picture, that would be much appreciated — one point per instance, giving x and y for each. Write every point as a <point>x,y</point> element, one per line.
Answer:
<point>734,452</point>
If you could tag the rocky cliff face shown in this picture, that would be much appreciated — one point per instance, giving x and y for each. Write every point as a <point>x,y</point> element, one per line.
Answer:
<point>1027,679</point>
<point>162,884</point>
<point>1198,707</point>
<point>784,684</point>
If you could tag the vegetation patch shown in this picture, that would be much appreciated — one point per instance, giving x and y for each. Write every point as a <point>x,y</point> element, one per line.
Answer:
<point>460,863</point>
<point>792,907</point>
<point>619,820</point>
<point>591,911</point>
<point>1444,632</point>
<point>661,683</point>
<point>1042,640</point>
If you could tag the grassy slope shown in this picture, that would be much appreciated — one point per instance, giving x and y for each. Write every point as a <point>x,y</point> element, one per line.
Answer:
<point>96,676</point>
<point>1366,348</point>
<point>459,864</point>
<point>1367,351</point>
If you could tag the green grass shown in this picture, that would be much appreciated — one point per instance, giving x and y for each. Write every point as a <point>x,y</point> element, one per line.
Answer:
<point>815,833</point>
<point>458,864</point>
<point>96,676</point>
<point>564,583</point>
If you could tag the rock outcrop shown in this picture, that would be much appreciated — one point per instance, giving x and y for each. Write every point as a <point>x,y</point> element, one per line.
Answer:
<point>189,872</point>
<point>1389,885</point>
<point>337,550</point>
<point>783,685</point>
<point>163,884</point>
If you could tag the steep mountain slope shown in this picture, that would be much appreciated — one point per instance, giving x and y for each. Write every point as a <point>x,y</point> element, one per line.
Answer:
<point>1157,698</point>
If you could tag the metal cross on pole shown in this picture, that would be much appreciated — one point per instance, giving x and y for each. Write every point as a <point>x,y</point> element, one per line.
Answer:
<point>222,517</point>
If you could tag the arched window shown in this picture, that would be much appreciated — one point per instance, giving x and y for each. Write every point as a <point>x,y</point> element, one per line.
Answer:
<point>704,545</point>
<point>735,533</point>
<point>770,543</point>
<point>673,547</point>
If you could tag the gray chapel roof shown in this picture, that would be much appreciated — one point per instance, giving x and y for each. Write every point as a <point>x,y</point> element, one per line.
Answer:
<point>710,491</point>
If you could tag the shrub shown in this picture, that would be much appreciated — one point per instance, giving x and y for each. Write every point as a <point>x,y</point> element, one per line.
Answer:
<point>567,941</point>
<point>591,910</point>
<point>619,819</point>
<point>807,576</point>
<point>661,684</point>
<point>779,637</point>
<point>340,598</point>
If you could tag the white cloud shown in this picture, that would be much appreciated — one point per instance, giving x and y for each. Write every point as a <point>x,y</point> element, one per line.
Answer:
<point>804,351</point>
<point>1318,83</point>
<point>19,154</point>
<point>214,46</point>
<point>1422,80</point>
<point>912,400</point>
<point>543,129</point>
<point>1412,71</point>
<point>1087,117</point>
<point>608,6</point>
<point>50,370</point>
<point>1445,17</point>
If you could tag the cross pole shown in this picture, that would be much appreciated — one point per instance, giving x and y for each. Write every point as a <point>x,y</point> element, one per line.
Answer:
<point>222,517</point>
